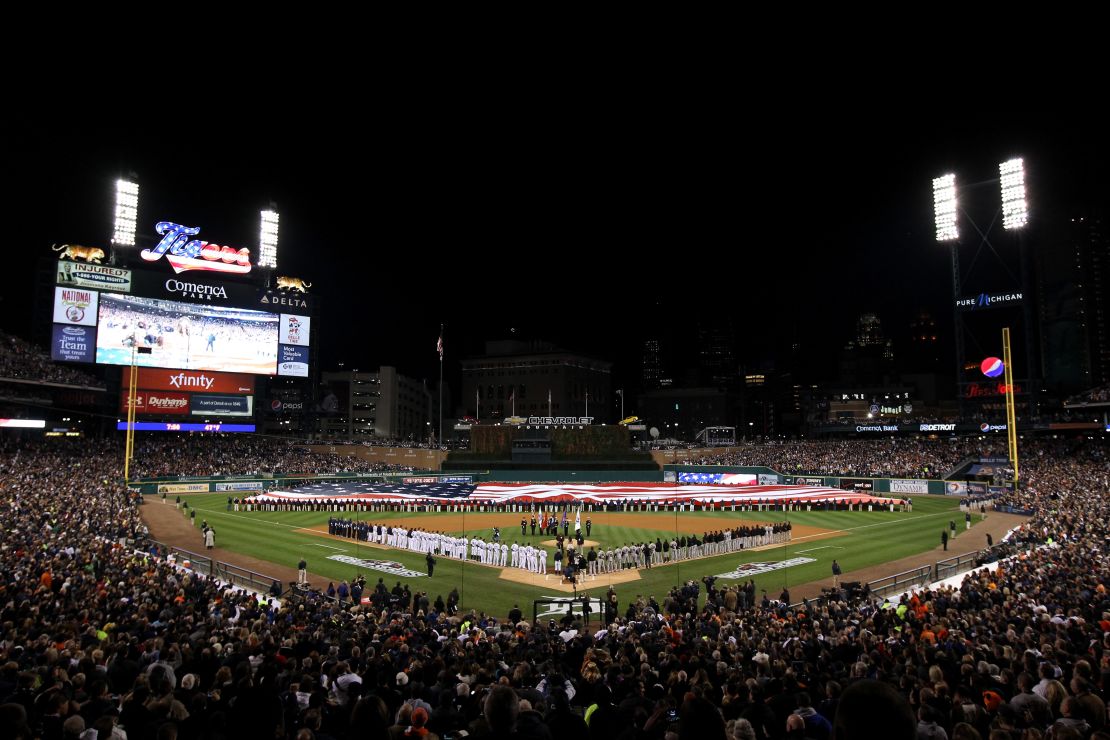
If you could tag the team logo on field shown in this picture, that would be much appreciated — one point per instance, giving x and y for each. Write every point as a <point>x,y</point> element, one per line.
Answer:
<point>384,566</point>
<point>556,606</point>
<point>747,570</point>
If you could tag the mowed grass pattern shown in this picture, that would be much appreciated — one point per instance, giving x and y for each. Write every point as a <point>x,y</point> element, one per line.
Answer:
<point>863,539</point>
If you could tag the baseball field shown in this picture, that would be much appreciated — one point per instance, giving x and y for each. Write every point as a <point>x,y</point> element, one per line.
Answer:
<point>857,539</point>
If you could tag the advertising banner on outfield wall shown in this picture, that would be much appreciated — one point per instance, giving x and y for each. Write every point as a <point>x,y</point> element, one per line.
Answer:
<point>908,486</point>
<point>182,488</point>
<point>768,480</point>
<point>955,488</point>
<point>857,484</point>
<point>241,486</point>
<point>724,479</point>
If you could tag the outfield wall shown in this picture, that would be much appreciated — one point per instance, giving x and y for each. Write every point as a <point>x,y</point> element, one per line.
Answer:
<point>246,485</point>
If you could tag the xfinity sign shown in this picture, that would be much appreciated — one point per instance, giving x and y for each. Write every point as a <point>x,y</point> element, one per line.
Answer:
<point>988,300</point>
<point>202,381</point>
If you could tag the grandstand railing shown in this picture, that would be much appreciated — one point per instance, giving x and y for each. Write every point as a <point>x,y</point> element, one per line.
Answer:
<point>901,581</point>
<point>227,572</point>
<point>954,566</point>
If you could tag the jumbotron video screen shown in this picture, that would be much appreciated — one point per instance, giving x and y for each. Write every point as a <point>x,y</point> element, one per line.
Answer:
<point>186,335</point>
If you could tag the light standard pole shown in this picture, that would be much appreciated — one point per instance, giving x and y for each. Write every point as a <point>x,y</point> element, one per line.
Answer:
<point>620,392</point>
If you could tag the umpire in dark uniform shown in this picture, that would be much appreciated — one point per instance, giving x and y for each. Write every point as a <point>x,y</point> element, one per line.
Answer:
<point>431,564</point>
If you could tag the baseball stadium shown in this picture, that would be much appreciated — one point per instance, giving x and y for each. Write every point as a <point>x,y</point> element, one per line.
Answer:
<point>216,526</point>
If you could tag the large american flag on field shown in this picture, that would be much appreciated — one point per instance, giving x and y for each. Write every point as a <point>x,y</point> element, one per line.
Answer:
<point>560,493</point>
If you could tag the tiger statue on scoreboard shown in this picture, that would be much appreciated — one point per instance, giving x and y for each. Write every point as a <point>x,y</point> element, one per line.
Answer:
<point>77,252</point>
<point>292,283</point>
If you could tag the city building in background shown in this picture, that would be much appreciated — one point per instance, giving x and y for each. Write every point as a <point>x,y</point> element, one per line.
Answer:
<point>384,405</point>
<point>530,378</point>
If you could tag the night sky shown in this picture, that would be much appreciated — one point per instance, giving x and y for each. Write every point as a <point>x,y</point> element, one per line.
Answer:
<point>585,228</point>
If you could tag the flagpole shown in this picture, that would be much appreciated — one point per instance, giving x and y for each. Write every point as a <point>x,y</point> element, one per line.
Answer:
<point>587,403</point>
<point>477,405</point>
<point>549,402</point>
<point>439,439</point>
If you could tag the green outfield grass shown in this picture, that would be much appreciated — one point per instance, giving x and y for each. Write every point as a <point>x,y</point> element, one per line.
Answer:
<point>864,539</point>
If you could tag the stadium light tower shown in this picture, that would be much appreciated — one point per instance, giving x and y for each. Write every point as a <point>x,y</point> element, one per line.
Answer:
<point>268,240</point>
<point>1015,212</point>
<point>945,210</point>
<point>127,213</point>
<point>944,207</point>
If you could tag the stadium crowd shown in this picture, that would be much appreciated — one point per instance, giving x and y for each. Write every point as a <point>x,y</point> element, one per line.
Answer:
<point>172,455</point>
<point>99,635</point>
<point>894,457</point>
<point>21,360</point>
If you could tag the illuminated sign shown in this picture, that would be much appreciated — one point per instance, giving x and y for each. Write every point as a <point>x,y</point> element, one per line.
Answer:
<point>185,253</point>
<point>194,380</point>
<point>156,402</point>
<point>159,426</point>
<point>277,299</point>
<point>937,428</point>
<point>199,291</point>
<point>550,420</point>
<point>988,300</point>
<point>985,427</point>
<point>294,330</point>
<point>878,428</point>
<point>992,367</point>
<point>75,306</point>
<point>102,277</point>
<point>208,405</point>
<point>23,423</point>
<point>73,343</point>
<point>976,390</point>
<point>292,361</point>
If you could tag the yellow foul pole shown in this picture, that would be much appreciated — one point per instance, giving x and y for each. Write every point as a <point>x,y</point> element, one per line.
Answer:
<point>1011,416</point>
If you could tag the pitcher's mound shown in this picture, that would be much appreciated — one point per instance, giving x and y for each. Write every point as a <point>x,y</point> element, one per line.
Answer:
<point>586,544</point>
<point>554,581</point>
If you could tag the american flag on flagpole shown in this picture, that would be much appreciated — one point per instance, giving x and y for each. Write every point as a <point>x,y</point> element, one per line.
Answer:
<point>439,346</point>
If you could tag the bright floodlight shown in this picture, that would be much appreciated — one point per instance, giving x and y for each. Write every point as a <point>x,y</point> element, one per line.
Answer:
<point>944,207</point>
<point>127,213</point>
<point>268,240</point>
<point>1014,210</point>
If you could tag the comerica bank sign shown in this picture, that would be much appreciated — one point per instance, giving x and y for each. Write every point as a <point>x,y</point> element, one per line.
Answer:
<point>988,300</point>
